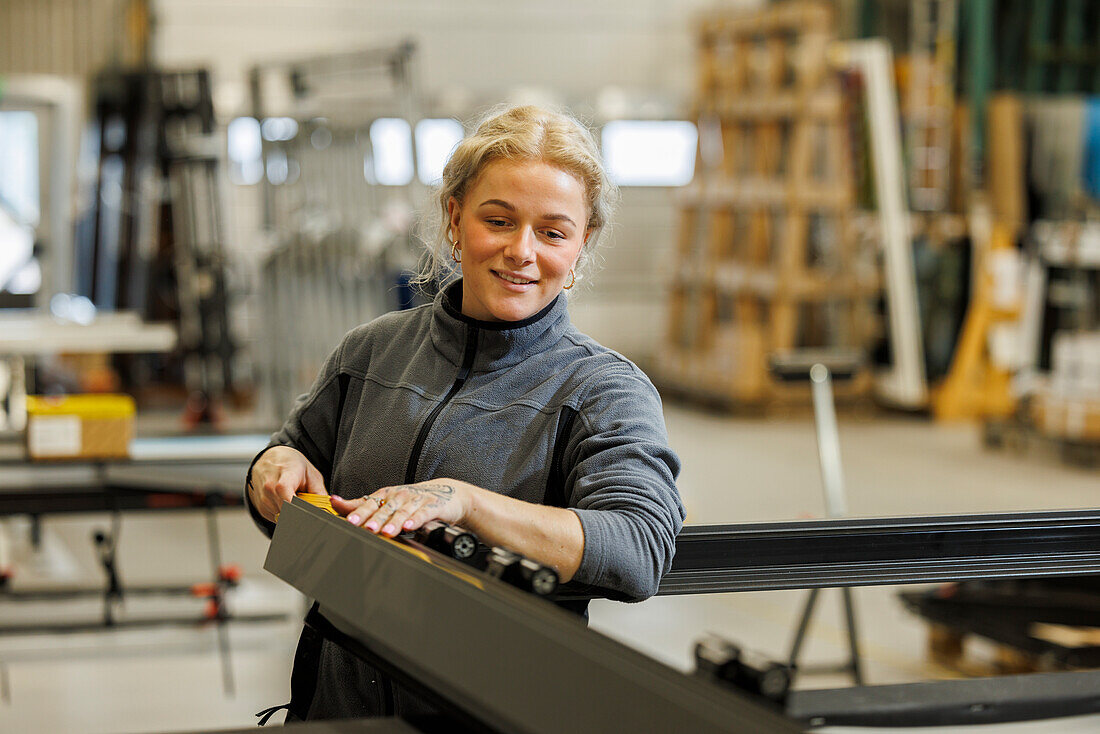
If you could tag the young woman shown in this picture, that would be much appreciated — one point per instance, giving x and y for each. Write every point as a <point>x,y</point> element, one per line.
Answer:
<point>487,408</point>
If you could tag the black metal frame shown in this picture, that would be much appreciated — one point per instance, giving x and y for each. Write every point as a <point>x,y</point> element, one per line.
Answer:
<point>112,486</point>
<point>1014,627</point>
<point>866,552</point>
<point>510,661</point>
<point>499,656</point>
<point>952,702</point>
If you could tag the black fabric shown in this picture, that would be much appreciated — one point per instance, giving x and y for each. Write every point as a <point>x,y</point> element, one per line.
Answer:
<point>555,484</point>
<point>303,676</point>
<point>452,304</point>
<point>376,693</point>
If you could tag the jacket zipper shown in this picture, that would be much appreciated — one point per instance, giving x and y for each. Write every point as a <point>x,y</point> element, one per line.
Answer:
<point>463,374</point>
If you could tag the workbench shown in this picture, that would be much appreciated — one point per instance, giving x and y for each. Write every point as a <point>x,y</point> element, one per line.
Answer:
<point>194,468</point>
<point>200,473</point>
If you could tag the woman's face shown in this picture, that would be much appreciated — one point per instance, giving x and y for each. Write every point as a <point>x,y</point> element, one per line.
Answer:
<point>520,230</point>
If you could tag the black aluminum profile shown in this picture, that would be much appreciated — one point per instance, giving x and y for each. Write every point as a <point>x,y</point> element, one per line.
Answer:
<point>953,702</point>
<point>507,659</point>
<point>867,552</point>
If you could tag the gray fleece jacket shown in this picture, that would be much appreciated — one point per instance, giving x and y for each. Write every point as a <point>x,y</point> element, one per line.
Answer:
<point>532,409</point>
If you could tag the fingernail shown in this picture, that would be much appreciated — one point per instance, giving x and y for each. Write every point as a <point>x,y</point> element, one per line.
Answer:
<point>372,526</point>
<point>354,519</point>
<point>408,524</point>
<point>389,529</point>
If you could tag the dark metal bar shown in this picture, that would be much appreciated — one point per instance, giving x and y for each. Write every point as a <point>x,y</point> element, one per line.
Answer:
<point>51,502</point>
<point>73,627</point>
<point>865,552</point>
<point>953,702</point>
<point>803,626</point>
<point>221,614</point>
<point>1007,626</point>
<point>507,658</point>
<point>853,637</point>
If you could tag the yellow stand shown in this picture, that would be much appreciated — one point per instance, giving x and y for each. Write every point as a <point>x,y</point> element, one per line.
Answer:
<point>976,387</point>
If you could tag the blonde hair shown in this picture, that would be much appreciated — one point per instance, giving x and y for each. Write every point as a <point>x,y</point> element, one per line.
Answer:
<point>524,133</point>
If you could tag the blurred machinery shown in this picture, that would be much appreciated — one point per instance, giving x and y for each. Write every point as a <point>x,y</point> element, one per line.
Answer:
<point>153,239</point>
<point>343,240</point>
<point>1058,380</point>
<point>47,320</point>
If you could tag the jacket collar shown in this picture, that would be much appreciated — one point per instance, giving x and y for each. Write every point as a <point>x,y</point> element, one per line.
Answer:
<point>500,344</point>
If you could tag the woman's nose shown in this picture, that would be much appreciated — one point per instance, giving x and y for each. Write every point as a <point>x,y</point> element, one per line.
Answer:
<point>521,248</point>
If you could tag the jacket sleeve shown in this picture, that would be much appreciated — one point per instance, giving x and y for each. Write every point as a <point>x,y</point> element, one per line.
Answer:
<point>310,428</point>
<point>622,485</point>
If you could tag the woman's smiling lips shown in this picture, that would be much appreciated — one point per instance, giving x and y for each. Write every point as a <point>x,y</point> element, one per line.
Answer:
<point>513,282</point>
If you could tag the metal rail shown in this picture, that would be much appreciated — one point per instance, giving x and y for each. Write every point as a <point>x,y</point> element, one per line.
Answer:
<point>867,552</point>
<point>955,702</point>
<point>506,659</point>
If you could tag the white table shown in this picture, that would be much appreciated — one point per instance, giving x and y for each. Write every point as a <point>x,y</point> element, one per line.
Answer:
<point>26,335</point>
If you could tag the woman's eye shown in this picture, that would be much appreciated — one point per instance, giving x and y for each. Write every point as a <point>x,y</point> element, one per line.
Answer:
<point>497,222</point>
<point>555,235</point>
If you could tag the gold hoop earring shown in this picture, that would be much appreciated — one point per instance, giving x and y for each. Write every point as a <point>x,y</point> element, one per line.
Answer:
<point>454,249</point>
<point>572,282</point>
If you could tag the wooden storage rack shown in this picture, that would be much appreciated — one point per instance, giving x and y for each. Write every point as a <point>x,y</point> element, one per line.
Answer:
<point>767,260</point>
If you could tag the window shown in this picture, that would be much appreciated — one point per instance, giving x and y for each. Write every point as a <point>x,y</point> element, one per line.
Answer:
<point>435,141</point>
<point>245,151</point>
<point>391,140</point>
<point>650,152</point>
<point>20,210</point>
<point>20,273</point>
<point>278,129</point>
<point>19,166</point>
<point>278,168</point>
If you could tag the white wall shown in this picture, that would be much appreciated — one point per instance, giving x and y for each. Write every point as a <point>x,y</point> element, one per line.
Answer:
<point>488,47</point>
<point>474,53</point>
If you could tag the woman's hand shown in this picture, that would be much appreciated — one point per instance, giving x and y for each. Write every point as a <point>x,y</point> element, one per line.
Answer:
<point>278,475</point>
<point>393,510</point>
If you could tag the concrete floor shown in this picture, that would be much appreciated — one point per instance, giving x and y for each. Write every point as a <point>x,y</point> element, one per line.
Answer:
<point>735,470</point>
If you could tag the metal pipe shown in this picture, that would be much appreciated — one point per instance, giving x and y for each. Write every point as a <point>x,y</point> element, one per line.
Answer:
<point>828,441</point>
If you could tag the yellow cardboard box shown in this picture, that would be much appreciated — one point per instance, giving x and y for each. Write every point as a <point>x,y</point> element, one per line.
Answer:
<point>79,426</point>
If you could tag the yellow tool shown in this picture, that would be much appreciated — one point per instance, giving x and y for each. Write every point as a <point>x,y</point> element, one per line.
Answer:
<point>317,500</point>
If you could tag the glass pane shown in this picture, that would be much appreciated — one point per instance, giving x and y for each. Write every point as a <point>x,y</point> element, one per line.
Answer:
<point>244,151</point>
<point>19,166</point>
<point>391,140</point>
<point>279,128</point>
<point>649,152</point>
<point>18,270</point>
<point>435,140</point>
